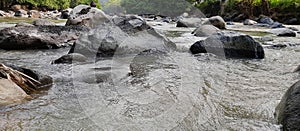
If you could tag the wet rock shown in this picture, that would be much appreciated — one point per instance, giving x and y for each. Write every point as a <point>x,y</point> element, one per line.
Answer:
<point>297,69</point>
<point>146,58</point>
<point>130,23</point>
<point>230,23</point>
<point>45,80</point>
<point>2,13</point>
<point>189,22</point>
<point>266,38</point>
<point>38,37</point>
<point>293,28</point>
<point>230,45</point>
<point>87,16</point>
<point>276,25</point>
<point>20,13</point>
<point>43,22</point>
<point>23,24</point>
<point>109,40</point>
<point>283,32</point>
<point>70,58</point>
<point>288,110</point>
<point>249,22</point>
<point>205,30</point>
<point>292,21</point>
<point>65,14</point>
<point>265,20</point>
<point>216,21</point>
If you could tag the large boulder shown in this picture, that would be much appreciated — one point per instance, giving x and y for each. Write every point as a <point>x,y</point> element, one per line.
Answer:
<point>288,110</point>
<point>189,22</point>
<point>109,40</point>
<point>38,37</point>
<point>87,16</point>
<point>130,23</point>
<point>283,32</point>
<point>230,45</point>
<point>205,30</point>
<point>216,21</point>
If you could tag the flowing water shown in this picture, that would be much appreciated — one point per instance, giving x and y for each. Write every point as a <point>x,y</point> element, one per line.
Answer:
<point>182,92</point>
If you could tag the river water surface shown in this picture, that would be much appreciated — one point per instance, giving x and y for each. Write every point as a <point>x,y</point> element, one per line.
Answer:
<point>183,92</point>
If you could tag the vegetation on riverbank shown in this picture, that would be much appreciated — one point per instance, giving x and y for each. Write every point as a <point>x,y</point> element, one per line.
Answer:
<point>51,4</point>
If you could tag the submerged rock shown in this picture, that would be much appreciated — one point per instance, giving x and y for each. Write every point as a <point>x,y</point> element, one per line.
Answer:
<point>38,37</point>
<point>189,22</point>
<point>70,58</point>
<point>283,32</point>
<point>87,16</point>
<point>288,110</point>
<point>205,30</point>
<point>230,45</point>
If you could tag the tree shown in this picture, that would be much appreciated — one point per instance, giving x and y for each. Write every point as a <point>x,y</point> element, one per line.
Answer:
<point>158,7</point>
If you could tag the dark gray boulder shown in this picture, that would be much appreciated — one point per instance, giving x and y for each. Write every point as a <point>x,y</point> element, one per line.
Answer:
<point>130,23</point>
<point>109,40</point>
<point>189,22</point>
<point>288,110</point>
<point>216,21</point>
<point>265,20</point>
<point>205,30</point>
<point>87,16</point>
<point>229,44</point>
<point>38,37</point>
<point>283,32</point>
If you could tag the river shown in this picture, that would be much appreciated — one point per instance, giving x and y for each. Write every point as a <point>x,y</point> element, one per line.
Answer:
<point>184,92</point>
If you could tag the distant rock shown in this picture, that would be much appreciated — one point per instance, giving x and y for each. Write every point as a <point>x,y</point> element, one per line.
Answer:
<point>21,13</point>
<point>292,21</point>
<point>43,22</point>
<point>34,14</point>
<point>249,22</point>
<point>283,32</point>
<point>205,30</point>
<point>130,23</point>
<point>288,110</point>
<point>87,16</point>
<point>189,22</point>
<point>216,21</point>
<point>65,14</point>
<point>229,44</point>
<point>276,25</point>
<point>38,37</point>
<point>265,20</point>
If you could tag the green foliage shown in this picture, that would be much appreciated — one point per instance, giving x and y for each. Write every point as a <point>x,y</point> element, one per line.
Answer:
<point>53,4</point>
<point>159,7</point>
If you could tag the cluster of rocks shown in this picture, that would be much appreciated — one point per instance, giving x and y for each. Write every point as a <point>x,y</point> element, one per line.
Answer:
<point>19,11</point>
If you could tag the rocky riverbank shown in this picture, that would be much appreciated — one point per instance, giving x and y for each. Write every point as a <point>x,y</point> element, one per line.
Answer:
<point>203,74</point>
